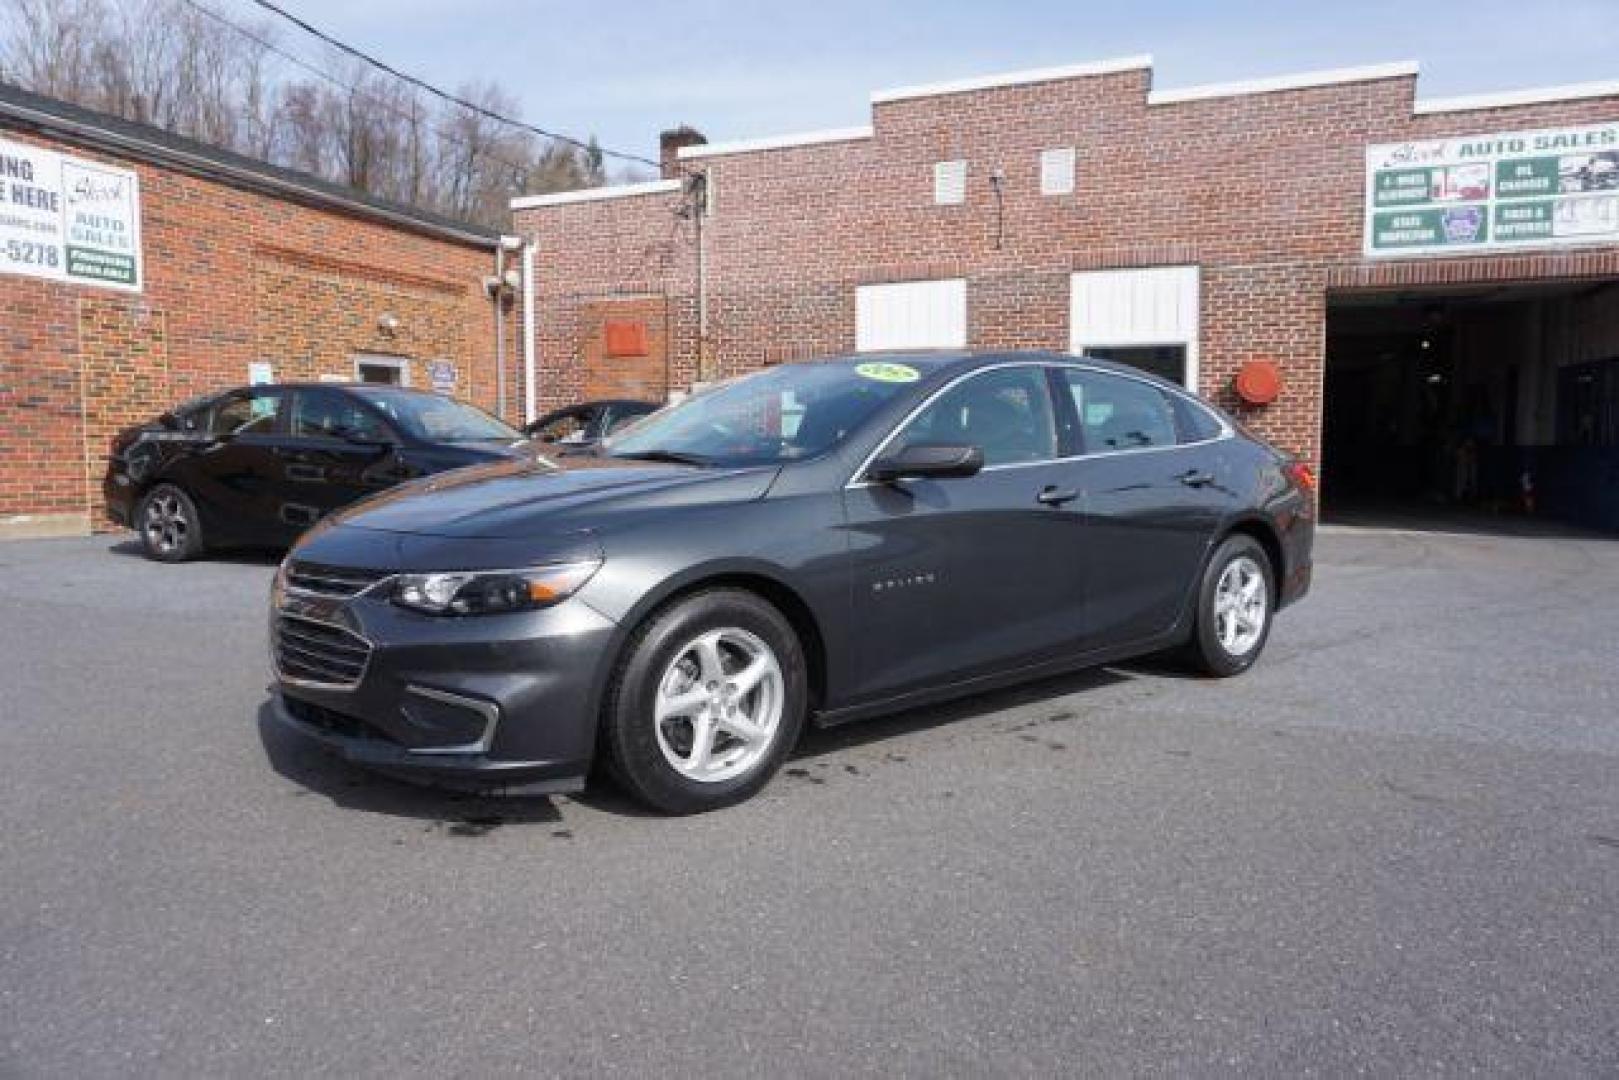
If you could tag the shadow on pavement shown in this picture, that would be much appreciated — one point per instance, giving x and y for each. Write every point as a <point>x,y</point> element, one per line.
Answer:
<point>896,726</point>
<point>314,769</point>
<point>131,548</point>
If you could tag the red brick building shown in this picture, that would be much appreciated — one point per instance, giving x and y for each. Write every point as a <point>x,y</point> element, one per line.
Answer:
<point>1433,279</point>
<point>138,269</point>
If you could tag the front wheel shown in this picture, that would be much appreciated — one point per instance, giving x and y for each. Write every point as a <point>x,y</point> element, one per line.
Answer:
<point>1234,607</point>
<point>171,529</point>
<point>707,703</point>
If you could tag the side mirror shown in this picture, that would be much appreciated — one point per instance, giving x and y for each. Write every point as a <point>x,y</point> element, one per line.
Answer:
<point>927,463</point>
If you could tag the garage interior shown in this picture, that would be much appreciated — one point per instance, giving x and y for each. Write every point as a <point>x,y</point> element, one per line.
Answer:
<point>1494,402</point>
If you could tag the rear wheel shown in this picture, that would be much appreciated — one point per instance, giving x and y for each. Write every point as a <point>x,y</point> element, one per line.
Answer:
<point>707,703</point>
<point>170,528</point>
<point>1234,606</point>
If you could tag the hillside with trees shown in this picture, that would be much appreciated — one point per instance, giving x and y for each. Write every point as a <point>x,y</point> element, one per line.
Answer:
<point>240,85</point>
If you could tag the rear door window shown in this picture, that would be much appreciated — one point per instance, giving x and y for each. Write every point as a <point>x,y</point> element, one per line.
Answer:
<point>1197,424</point>
<point>1118,414</point>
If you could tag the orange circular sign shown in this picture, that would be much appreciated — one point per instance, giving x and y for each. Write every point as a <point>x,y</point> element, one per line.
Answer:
<point>1259,382</point>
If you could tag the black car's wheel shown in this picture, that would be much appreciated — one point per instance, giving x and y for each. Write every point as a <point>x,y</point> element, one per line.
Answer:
<point>170,528</point>
<point>707,702</point>
<point>1235,601</point>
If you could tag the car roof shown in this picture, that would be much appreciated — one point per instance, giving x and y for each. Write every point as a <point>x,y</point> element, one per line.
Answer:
<point>952,362</point>
<point>347,384</point>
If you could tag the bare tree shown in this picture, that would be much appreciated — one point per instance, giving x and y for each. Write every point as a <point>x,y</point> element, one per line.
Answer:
<point>175,65</point>
<point>49,45</point>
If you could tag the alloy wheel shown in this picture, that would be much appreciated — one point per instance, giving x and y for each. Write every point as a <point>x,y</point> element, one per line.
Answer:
<point>167,525</point>
<point>1241,606</point>
<point>719,705</point>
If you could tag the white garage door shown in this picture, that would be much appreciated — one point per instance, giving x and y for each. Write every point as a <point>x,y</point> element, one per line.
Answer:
<point>1128,314</point>
<point>911,315</point>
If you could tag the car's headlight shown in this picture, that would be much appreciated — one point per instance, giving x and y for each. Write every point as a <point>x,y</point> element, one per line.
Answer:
<point>487,592</point>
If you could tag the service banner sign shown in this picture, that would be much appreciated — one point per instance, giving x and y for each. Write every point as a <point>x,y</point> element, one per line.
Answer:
<point>1492,192</point>
<point>66,219</point>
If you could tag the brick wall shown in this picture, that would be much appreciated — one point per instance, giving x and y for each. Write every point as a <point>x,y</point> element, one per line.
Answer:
<point>1263,191</point>
<point>232,276</point>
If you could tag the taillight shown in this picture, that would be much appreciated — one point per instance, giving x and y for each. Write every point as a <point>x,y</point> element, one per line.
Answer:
<point>1301,475</point>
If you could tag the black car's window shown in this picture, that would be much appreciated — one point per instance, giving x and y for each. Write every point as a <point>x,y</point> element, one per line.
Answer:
<point>435,418</point>
<point>1197,424</point>
<point>1005,412</point>
<point>1118,413</point>
<point>620,417</point>
<point>252,412</point>
<point>328,414</point>
<point>572,426</point>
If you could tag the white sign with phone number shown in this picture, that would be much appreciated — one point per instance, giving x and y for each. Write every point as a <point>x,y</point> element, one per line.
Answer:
<point>66,219</point>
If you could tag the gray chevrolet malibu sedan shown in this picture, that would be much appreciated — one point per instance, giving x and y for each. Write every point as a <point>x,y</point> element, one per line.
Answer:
<point>814,543</point>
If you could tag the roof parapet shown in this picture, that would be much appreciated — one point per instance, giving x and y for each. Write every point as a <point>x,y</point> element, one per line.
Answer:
<point>777,142</point>
<point>1536,95</point>
<point>1014,78</point>
<point>1303,80</point>
<point>595,194</point>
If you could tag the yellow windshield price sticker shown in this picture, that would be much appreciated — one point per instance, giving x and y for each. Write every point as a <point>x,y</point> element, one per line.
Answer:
<point>888,372</point>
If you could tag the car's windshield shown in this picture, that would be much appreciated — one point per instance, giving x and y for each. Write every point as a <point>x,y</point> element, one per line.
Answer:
<point>439,419</point>
<point>783,414</point>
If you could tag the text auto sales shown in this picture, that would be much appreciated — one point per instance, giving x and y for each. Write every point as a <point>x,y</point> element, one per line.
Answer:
<point>1584,140</point>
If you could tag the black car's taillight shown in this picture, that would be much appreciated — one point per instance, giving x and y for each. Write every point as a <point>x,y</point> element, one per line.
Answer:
<point>1302,475</point>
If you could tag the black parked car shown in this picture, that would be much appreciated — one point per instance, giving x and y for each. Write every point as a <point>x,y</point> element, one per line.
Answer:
<point>260,464</point>
<point>582,427</point>
<point>816,542</point>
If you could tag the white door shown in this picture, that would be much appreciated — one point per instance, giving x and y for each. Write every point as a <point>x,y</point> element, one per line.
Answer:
<point>1129,314</point>
<point>911,315</point>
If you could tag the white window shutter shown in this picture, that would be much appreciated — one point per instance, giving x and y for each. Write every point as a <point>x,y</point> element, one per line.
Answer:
<point>950,183</point>
<point>1057,171</point>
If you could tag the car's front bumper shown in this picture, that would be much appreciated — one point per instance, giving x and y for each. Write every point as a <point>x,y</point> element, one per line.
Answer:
<point>118,497</point>
<point>489,702</point>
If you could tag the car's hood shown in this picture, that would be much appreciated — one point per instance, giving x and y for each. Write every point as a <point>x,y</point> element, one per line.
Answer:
<point>525,497</point>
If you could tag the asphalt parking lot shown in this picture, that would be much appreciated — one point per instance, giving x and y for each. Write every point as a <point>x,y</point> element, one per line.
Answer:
<point>1393,847</point>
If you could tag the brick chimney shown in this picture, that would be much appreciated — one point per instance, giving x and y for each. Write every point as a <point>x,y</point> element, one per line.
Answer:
<point>669,144</point>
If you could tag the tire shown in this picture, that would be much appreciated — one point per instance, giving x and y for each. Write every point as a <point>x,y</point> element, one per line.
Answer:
<point>168,523</point>
<point>1236,602</point>
<point>681,731</point>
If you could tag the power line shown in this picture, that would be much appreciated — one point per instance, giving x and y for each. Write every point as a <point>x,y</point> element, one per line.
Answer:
<point>361,55</point>
<point>517,168</point>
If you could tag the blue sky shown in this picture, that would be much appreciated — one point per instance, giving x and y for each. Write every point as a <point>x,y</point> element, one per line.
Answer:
<point>735,69</point>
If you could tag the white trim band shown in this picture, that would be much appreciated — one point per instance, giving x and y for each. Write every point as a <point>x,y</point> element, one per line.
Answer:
<point>1274,83</point>
<point>1014,78</point>
<point>776,142</point>
<point>1532,96</point>
<point>620,191</point>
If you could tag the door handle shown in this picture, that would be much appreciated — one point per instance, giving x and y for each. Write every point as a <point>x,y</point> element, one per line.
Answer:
<point>1056,496</point>
<point>1196,478</point>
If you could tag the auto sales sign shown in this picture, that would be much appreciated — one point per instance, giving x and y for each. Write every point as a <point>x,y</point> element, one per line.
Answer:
<point>1492,192</point>
<point>66,219</point>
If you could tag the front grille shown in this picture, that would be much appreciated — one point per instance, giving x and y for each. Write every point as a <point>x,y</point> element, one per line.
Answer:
<point>318,652</point>
<point>331,580</point>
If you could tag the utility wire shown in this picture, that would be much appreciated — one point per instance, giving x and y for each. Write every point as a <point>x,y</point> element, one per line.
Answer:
<point>445,95</point>
<point>518,168</point>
